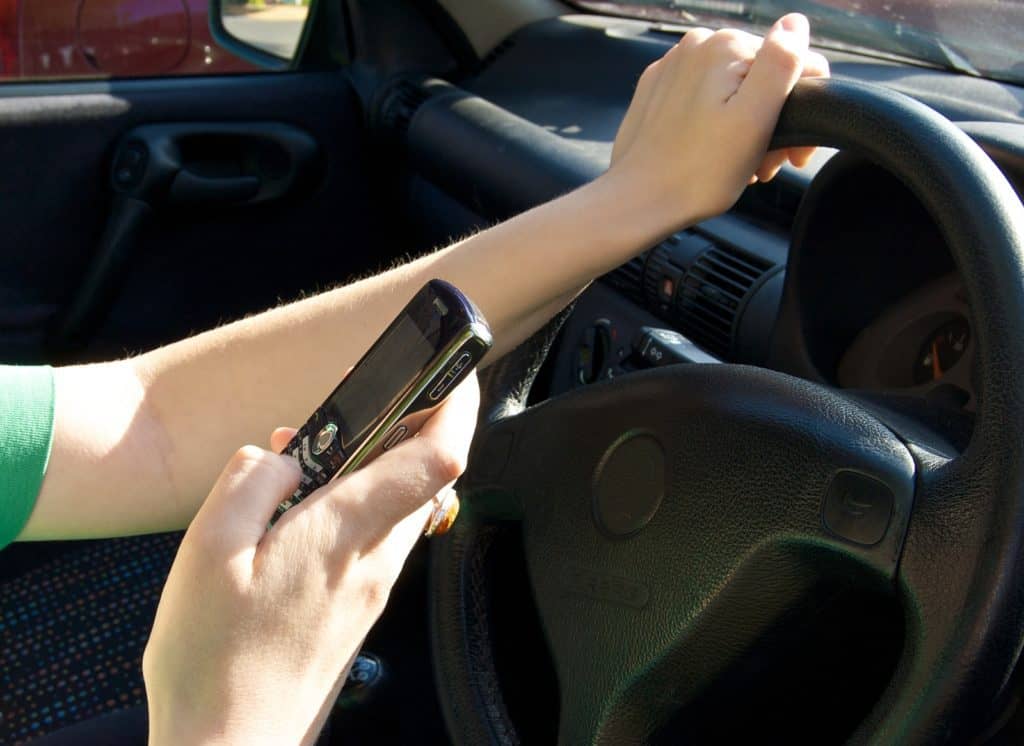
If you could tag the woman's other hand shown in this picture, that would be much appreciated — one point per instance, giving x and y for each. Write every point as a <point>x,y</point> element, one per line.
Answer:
<point>255,629</point>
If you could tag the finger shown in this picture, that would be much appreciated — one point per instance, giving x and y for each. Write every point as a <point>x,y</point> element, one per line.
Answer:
<point>252,485</point>
<point>438,455</point>
<point>770,169</point>
<point>732,44</point>
<point>448,422</point>
<point>281,437</point>
<point>776,68</point>
<point>367,504</point>
<point>800,157</point>
<point>739,68</point>
<point>771,164</point>
<point>693,38</point>
<point>733,52</point>
<point>815,66</point>
<point>393,547</point>
<point>408,531</point>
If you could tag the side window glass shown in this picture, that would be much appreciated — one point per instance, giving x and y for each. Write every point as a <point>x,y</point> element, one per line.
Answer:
<point>275,29</point>
<point>62,39</point>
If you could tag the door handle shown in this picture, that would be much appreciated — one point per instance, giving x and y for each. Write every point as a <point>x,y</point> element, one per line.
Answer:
<point>181,166</point>
<point>85,310</point>
<point>203,164</point>
<point>189,187</point>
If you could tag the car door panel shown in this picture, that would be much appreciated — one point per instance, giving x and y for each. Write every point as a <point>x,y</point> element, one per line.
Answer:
<point>190,268</point>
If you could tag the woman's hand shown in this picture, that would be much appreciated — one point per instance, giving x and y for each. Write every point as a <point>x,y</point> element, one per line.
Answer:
<point>696,131</point>
<point>256,629</point>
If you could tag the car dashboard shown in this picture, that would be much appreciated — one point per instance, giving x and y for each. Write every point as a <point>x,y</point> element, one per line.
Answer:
<point>834,273</point>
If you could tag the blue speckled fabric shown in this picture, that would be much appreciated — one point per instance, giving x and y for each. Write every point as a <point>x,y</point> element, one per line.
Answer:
<point>72,632</point>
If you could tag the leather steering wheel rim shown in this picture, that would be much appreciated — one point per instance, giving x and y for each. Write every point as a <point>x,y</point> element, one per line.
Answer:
<point>958,561</point>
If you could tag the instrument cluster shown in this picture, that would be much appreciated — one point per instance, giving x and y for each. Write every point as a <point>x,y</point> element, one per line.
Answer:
<point>922,345</point>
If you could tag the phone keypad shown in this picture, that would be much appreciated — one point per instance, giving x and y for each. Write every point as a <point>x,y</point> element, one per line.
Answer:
<point>320,456</point>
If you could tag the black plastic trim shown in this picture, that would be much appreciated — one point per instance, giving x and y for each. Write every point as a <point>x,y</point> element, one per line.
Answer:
<point>131,86</point>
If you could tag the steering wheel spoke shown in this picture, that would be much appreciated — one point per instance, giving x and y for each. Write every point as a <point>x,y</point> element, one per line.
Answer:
<point>949,560</point>
<point>625,671</point>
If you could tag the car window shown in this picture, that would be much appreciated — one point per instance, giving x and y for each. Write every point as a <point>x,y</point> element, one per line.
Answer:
<point>68,39</point>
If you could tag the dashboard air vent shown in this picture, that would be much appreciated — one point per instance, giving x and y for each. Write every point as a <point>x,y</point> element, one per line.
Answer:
<point>711,294</point>
<point>628,278</point>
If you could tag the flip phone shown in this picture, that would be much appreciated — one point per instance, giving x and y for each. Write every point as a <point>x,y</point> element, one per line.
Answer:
<point>433,344</point>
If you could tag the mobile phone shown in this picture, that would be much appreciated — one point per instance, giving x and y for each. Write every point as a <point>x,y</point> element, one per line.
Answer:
<point>434,343</point>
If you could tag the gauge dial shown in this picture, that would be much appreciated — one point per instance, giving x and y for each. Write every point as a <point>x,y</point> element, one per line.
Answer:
<point>942,350</point>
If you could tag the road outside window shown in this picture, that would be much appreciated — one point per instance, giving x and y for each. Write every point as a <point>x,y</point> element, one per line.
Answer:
<point>272,27</point>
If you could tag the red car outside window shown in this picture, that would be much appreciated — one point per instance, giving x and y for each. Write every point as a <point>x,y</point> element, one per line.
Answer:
<point>109,38</point>
<point>8,34</point>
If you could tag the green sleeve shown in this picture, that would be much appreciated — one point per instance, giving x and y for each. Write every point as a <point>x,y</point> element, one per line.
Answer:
<point>26,433</point>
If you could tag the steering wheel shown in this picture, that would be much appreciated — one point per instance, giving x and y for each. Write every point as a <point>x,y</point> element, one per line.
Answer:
<point>654,505</point>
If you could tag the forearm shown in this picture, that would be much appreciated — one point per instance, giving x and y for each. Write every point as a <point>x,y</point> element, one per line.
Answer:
<point>273,369</point>
<point>138,443</point>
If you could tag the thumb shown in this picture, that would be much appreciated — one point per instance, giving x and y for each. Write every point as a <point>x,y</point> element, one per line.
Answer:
<point>776,67</point>
<point>281,437</point>
<point>402,481</point>
<point>252,485</point>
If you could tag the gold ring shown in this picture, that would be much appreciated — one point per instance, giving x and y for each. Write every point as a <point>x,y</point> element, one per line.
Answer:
<point>446,510</point>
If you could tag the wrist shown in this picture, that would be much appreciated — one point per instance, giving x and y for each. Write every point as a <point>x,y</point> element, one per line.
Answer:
<point>191,720</point>
<point>214,734</point>
<point>218,720</point>
<point>637,206</point>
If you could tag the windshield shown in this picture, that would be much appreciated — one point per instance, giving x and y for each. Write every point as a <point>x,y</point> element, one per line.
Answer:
<point>977,37</point>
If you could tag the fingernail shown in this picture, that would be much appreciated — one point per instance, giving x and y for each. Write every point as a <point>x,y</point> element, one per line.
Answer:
<point>794,22</point>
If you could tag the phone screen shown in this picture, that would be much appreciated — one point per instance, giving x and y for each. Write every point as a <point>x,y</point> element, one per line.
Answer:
<point>379,379</point>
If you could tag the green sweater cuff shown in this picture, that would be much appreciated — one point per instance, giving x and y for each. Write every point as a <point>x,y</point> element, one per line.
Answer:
<point>26,410</point>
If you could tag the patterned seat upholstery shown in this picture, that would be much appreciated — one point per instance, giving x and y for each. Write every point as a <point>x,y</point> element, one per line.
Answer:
<point>72,632</point>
